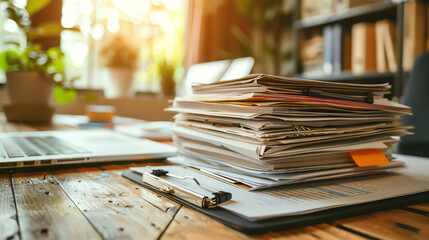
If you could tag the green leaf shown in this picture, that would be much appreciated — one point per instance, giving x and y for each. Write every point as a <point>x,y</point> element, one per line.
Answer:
<point>64,96</point>
<point>56,66</point>
<point>9,59</point>
<point>54,53</point>
<point>33,6</point>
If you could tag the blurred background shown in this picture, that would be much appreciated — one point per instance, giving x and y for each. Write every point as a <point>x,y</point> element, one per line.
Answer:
<point>149,32</point>
<point>148,46</point>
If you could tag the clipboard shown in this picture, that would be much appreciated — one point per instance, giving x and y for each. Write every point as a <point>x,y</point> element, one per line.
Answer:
<point>282,223</point>
<point>155,179</point>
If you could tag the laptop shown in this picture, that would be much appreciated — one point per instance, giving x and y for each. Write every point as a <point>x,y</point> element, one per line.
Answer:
<point>26,149</point>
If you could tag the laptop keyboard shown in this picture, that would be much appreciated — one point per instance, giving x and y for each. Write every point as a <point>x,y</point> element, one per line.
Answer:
<point>12,150</point>
<point>15,147</point>
<point>25,147</point>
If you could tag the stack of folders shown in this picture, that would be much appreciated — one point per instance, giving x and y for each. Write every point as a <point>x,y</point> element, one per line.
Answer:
<point>266,131</point>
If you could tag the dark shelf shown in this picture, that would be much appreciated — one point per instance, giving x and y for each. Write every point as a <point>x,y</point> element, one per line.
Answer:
<point>344,15</point>
<point>349,77</point>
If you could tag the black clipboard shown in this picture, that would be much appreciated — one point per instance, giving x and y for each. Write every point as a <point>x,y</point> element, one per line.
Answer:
<point>282,223</point>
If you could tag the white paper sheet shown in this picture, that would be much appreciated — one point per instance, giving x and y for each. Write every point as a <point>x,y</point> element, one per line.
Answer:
<point>289,201</point>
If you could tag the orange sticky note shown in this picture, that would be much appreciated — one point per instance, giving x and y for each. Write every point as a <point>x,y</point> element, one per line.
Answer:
<point>369,157</point>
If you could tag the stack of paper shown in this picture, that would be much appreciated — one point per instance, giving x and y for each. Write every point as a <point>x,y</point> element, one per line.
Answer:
<point>267,130</point>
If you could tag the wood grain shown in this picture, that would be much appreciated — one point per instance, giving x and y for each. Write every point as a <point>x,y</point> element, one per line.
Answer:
<point>115,171</point>
<point>8,223</point>
<point>190,224</point>
<point>422,207</point>
<point>163,203</point>
<point>114,210</point>
<point>46,212</point>
<point>392,224</point>
<point>320,231</point>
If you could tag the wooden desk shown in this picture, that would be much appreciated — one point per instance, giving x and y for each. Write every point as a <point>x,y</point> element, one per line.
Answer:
<point>97,203</point>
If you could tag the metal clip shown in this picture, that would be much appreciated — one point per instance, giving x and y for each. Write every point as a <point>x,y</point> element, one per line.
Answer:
<point>155,179</point>
<point>302,130</point>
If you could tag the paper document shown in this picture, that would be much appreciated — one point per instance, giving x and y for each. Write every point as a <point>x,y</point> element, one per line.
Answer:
<point>272,124</point>
<point>297,200</point>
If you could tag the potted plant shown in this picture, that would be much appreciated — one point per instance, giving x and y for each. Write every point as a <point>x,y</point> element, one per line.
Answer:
<point>119,56</point>
<point>166,70</point>
<point>32,73</point>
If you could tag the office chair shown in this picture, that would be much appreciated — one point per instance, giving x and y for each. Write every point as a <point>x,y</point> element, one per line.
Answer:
<point>416,95</point>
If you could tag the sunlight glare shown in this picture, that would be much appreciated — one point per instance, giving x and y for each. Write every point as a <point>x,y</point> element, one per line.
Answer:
<point>113,14</point>
<point>78,54</point>
<point>132,7</point>
<point>146,32</point>
<point>156,2</point>
<point>161,18</point>
<point>113,26</point>
<point>172,4</point>
<point>69,19</point>
<point>19,3</point>
<point>97,31</point>
<point>10,25</point>
<point>86,7</point>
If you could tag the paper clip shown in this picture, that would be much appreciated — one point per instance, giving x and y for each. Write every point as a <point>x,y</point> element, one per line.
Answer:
<point>302,130</point>
<point>155,179</point>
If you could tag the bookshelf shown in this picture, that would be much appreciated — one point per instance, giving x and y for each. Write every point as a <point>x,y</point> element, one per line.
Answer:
<point>344,15</point>
<point>350,77</point>
<point>371,12</point>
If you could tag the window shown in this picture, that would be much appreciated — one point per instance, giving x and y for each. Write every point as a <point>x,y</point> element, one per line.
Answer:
<point>155,28</point>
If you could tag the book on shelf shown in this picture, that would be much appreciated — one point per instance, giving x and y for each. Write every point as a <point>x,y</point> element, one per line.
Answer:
<point>314,8</point>
<point>366,47</point>
<point>312,55</point>
<point>390,44</point>
<point>312,68</point>
<point>385,45</point>
<point>328,52</point>
<point>414,32</point>
<point>347,50</point>
<point>363,48</point>
<point>337,41</point>
<point>332,49</point>
<point>380,54</point>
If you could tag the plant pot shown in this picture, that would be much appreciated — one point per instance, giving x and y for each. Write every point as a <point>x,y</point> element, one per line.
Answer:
<point>168,88</point>
<point>28,87</point>
<point>120,83</point>
<point>29,94</point>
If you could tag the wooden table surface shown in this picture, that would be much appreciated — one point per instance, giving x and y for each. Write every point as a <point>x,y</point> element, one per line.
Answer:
<point>95,202</point>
